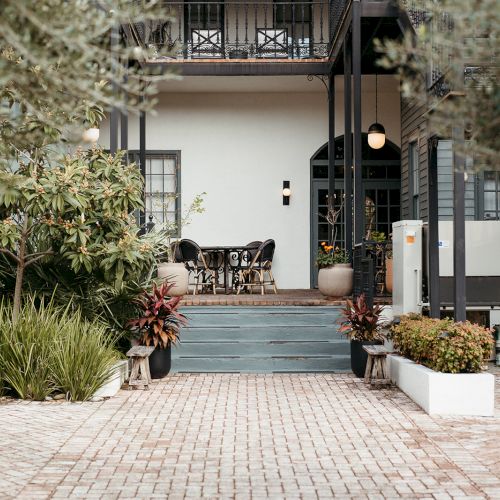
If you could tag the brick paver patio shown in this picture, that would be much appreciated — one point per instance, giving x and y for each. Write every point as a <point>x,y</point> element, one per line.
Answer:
<point>246,436</point>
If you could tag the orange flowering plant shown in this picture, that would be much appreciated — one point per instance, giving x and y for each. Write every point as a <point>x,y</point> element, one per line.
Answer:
<point>329,255</point>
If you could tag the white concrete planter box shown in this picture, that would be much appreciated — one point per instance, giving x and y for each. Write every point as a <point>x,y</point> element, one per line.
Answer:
<point>444,393</point>
<point>116,380</point>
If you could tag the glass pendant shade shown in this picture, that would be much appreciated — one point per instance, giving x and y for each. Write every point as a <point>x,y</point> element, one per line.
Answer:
<point>91,135</point>
<point>376,136</point>
<point>376,132</point>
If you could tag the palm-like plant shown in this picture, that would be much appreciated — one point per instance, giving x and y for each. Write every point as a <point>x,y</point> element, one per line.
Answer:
<point>160,322</point>
<point>360,321</point>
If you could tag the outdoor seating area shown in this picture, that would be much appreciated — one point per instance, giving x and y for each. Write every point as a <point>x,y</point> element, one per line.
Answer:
<point>230,269</point>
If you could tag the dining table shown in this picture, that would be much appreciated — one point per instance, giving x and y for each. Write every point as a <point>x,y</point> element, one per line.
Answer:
<point>226,259</point>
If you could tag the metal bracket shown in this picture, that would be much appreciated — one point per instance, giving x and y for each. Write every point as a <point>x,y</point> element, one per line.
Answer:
<point>323,79</point>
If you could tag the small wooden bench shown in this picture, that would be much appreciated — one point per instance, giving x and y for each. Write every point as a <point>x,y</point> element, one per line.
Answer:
<point>376,367</point>
<point>140,375</point>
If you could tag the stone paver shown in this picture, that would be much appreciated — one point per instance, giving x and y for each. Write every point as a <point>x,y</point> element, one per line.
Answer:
<point>246,436</point>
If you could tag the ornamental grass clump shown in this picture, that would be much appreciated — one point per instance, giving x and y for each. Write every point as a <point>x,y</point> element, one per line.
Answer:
<point>50,350</point>
<point>442,344</point>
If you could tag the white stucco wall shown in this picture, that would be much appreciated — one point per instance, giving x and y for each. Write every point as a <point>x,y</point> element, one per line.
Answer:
<point>238,147</point>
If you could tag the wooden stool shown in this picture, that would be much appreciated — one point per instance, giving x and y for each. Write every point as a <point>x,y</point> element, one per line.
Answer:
<point>376,364</point>
<point>140,375</point>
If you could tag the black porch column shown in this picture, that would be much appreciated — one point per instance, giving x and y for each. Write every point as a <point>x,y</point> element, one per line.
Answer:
<point>113,131</point>
<point>433,234</point>
<point>142,155</point>
<point>347,148</point>
<point>459,301</point>
<point>124,133</point>
<point>115,113</point>
<point>331,145</point>
<point>356,71</point>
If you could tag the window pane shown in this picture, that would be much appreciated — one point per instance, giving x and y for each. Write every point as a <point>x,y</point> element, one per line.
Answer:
<point>489,181</point>
<point>490,201</point>
<point>157,183</point>
<point>157,166</point>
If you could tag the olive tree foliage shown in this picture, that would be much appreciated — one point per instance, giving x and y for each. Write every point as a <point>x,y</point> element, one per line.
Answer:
<point>458,40</point>
<point>59,70</point>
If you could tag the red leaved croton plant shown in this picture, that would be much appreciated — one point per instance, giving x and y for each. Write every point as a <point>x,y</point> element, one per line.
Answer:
<point>360,321</point>
<point>160,322</point>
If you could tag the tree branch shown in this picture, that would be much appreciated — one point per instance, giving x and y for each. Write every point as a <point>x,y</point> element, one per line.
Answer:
<point>39,255</point>
<point>11,255</point>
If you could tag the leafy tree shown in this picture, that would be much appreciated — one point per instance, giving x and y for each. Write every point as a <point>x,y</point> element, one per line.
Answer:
<point>79,212</point>
<point>455,48</point>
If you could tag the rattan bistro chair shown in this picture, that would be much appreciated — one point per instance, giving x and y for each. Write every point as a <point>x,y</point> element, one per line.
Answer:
<point>254,274</point>
<point>196,263</point>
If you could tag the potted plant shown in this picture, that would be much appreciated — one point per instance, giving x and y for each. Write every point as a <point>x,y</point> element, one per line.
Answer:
<point>176,272</point>
<point>158,325</point>
<point>335,272</point>
<point>361,323</point>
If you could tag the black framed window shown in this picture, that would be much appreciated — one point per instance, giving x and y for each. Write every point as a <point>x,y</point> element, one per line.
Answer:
<point>491,195</point>
<point>414,177</point>
<point>161,185</point>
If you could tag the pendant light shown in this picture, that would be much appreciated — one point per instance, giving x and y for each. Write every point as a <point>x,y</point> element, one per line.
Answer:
<point>376,132</point>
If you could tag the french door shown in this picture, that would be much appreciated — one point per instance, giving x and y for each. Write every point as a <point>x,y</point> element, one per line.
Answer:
<point>382,208</point>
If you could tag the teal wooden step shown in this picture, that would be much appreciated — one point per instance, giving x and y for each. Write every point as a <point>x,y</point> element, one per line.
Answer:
<point>260,349</point>
<point>263,365</point>
<point>265,334</point>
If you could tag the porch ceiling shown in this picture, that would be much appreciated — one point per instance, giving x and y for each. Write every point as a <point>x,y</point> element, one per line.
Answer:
<point>269,84</point>
<point>295,83</point>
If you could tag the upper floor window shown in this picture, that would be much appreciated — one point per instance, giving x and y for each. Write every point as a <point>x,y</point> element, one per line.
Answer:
<point>491,195</point>
<point>414,177</point>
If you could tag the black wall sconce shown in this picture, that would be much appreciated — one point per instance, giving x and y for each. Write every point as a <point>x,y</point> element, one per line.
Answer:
<point>286,192</point>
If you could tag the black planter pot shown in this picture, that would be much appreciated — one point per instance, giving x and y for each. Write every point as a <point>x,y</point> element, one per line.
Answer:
<point>359,356</point>
<point>160,362</point>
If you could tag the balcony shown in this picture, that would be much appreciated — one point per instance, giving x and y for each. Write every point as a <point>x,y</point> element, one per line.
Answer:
<point>238,31</point>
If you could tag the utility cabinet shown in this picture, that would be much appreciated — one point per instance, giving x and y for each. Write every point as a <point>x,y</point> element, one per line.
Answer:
<point>407,267</point>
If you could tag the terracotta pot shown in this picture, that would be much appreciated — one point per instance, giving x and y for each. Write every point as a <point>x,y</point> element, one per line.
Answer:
<point>388,275</point>
<point>175,272</point>
<point>335,281</point>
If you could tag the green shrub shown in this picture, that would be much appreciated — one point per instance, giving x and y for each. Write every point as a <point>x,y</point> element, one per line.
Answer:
<point>443,345</point>
<point>52,350</point>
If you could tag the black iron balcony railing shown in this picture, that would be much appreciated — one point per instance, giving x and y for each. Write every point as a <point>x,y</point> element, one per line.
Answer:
<point>240,30</point>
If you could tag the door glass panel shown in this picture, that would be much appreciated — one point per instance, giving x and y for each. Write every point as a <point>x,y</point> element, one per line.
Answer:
<point>382,197</point>
<point>323,232</point>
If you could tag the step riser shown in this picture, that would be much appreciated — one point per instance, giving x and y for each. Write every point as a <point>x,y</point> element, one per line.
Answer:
<point>262,349</point>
